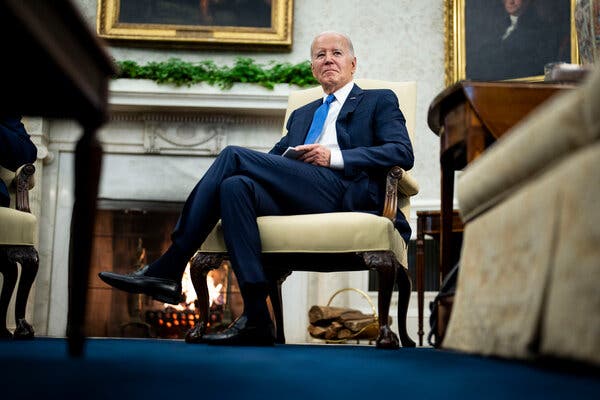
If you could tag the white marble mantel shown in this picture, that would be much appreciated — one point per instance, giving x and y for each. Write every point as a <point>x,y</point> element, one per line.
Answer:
<point>138,94</point>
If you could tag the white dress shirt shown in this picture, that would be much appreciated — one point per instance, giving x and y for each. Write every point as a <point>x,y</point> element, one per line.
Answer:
<point>328,136</point>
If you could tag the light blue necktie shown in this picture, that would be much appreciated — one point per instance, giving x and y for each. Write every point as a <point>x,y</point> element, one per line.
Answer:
<point>319,120</point>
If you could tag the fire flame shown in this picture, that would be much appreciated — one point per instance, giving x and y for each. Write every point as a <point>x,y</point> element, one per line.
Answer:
<point>214,292</point>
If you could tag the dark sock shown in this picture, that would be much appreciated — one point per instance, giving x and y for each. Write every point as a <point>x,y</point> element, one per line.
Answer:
<point>170,265</point>
<point>255,303</point>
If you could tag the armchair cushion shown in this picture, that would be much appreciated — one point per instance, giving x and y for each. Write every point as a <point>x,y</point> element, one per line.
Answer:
<point>342,232</point>
<point>18,227</point>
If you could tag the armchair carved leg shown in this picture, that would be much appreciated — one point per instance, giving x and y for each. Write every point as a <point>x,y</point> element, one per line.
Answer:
<point>8,269</point>
<point>28,258</point>
<point>200,265</point>
<point>276,278</point>
<point>404,290</point>
<point>385,264</point>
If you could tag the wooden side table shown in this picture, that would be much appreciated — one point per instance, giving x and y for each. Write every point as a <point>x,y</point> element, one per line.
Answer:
<point>429,223</point>
<point>468,117</point>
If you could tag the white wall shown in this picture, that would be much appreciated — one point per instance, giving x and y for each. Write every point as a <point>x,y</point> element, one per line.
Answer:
<point>393,40</point>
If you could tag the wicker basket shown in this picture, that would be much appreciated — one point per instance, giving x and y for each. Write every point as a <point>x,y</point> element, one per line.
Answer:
<point>369,332</point>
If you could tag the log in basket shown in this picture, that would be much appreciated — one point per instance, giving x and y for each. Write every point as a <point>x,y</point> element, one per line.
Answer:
<point>340,324</point>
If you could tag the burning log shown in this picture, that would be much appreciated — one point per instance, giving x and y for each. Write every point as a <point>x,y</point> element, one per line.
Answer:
<point>171,323</point>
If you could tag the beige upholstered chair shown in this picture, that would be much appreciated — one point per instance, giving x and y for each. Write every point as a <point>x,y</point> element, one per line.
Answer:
<point>18,229</point>
<point>530,261</point>
<point>345,241</point>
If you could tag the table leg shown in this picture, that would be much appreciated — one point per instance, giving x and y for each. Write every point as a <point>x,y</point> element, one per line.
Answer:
<point>420,275</point>
<point>447,208</point>
<point>88,160</point>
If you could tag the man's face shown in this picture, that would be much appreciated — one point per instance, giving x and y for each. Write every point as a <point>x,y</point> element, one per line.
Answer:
<point>514,7</point>
<point>332,63</point>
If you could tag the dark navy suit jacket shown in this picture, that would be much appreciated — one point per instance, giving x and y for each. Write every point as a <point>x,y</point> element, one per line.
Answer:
<point>372,136</point>
<point>16,149</point>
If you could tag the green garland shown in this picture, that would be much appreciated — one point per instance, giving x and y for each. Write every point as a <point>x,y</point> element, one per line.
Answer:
<point>179,73</point>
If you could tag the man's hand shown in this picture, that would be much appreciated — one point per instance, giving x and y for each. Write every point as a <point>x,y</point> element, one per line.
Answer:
<point>316,154</point>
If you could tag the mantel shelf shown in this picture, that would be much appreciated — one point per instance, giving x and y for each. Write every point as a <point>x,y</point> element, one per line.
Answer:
<point>134,95</point>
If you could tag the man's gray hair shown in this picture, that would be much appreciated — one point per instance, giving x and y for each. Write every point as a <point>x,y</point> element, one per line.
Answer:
<point>346,37</point>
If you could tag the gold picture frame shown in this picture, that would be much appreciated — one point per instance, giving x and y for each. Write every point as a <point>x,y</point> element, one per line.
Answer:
<point>456,39</point>
<point>263,24</point>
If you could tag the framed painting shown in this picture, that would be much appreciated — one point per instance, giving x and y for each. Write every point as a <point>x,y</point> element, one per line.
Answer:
<point>249,24</point>
<point>507,39</point>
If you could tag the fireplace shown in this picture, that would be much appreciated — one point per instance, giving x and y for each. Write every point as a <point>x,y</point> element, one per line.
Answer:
<point>126,239</point>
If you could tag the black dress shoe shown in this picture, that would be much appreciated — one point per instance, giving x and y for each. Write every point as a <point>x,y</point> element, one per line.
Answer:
<point>161,289</point>
<point>243,333</point>
<point>196,334</point>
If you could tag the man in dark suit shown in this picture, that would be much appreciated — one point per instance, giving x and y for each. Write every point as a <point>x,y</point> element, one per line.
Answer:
<point>348,140</point>
<point>16,149</point>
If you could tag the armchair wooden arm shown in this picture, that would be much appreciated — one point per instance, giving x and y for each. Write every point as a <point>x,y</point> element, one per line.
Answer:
<point>398,182</point>
<point>23,182</point>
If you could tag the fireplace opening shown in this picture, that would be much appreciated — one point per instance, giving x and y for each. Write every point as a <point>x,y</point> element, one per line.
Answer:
<point>127,238</point>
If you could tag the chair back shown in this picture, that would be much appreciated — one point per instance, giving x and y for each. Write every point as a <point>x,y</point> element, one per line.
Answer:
<point>407,100</point>
<point>405,91</point>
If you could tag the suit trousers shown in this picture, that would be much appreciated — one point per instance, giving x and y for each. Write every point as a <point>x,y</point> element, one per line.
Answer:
<point>243,184</point>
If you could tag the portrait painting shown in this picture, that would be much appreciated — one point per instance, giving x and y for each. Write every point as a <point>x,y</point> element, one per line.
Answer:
<point>214,23</point>
<point>491,40</point>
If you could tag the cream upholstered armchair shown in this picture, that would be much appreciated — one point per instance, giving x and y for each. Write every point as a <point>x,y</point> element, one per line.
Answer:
<point>18,229</point>
<point>529,267</point>
<point>346,241</point>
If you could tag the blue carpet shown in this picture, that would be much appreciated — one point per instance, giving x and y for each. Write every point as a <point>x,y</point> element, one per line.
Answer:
<point>164,369</point>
